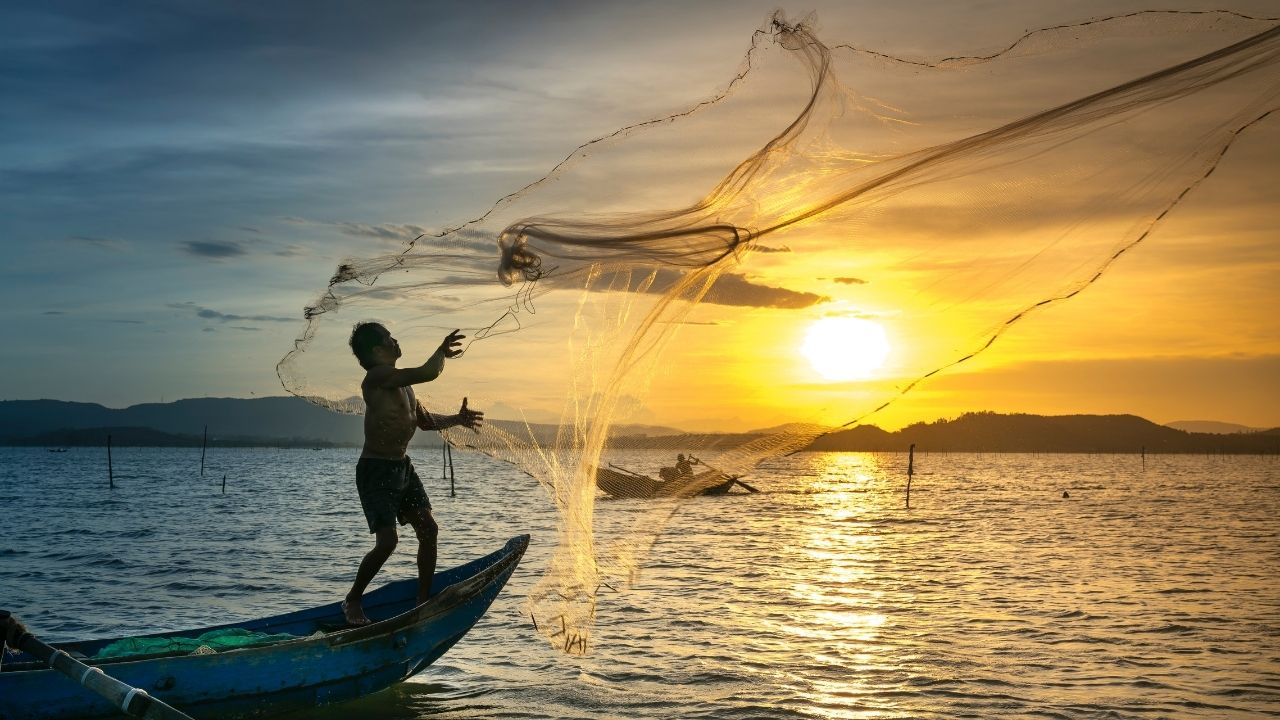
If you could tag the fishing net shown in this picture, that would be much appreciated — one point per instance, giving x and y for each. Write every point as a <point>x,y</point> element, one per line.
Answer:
<point>665,275</point>
<point>214,641</point>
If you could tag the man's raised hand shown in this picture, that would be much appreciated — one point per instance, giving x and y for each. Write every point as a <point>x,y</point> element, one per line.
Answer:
<point>452,345</point>
<point>470,418</point>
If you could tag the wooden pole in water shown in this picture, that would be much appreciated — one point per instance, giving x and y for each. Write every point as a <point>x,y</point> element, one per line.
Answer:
<point>448,449</point>
<point>1144,457</point>
<point>111,478</point>
<point>224,483</point>
<point>911,468</point>
<point>203,446</point>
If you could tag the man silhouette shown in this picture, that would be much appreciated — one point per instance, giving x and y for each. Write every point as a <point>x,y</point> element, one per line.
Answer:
<point>389,488</point>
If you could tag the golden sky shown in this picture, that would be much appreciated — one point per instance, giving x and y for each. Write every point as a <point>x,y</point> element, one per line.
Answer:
<point>1181,327</point>
<point>175,241</point>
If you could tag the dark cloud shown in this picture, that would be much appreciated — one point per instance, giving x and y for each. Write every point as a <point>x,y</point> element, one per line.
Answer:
<point>734,290</point>
<point>481,243</point>
<point>54,312</point>
<point>127,322</point>
<point>466,240</point>
<point>386,294</point>
<point>215,249</point>
<point>767,249</point>
<point>100,242</point>
<point>108,176</point>
<point>850,281</point>
<point>384,231</point>
<point>245,328</point>
<point>209,314</point>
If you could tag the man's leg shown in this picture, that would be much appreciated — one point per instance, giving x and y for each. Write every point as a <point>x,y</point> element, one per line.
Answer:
<point>428,532</point>
<point>385,544</point>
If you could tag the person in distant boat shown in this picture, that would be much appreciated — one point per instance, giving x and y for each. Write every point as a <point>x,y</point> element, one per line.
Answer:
<point>684,468</point>
<point>389,488</point>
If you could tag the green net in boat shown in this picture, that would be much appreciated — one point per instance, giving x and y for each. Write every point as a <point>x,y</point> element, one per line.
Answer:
<point>212,641</point>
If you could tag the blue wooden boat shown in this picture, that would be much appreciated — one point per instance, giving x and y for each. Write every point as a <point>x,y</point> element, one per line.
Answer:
<point>327,663</point>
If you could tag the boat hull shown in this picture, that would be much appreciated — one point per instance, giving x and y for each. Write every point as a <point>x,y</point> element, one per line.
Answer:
<point>317,669</point>
<point>621,485</point>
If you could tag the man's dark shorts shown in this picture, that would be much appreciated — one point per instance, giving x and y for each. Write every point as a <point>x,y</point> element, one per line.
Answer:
<point>390,490</point>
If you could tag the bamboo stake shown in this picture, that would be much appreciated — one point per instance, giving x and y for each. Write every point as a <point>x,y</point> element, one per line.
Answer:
<point>203,446</point>
<point>111,478</point>
<point>448,449</point>
<point>911,463</point>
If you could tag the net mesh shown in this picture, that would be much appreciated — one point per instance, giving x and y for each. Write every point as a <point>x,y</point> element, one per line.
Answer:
<point>214,641</point>
<point>944,200</point>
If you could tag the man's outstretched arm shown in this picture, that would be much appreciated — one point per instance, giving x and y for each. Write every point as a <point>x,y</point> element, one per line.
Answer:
<point>466,417</point>
<point>426,372</point>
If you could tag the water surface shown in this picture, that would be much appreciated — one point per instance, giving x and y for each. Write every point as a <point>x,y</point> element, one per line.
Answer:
<point>1150,592</point>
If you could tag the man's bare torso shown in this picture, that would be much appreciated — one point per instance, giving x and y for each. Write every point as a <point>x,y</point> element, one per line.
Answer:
<point>390,420</point>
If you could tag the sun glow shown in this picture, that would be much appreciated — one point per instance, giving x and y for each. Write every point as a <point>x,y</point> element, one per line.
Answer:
<point>844,348</point>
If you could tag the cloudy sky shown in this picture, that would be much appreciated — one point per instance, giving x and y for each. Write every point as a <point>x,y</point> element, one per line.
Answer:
<point>178,180</point>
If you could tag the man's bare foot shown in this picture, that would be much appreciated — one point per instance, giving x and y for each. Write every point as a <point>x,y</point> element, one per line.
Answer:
<point>354,613</point>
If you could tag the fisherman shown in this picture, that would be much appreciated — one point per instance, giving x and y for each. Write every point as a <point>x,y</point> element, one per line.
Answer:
<point>684,468</point>
<point>389,488</point>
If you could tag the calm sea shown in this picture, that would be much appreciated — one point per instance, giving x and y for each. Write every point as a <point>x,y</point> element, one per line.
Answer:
<point>1151,592</point>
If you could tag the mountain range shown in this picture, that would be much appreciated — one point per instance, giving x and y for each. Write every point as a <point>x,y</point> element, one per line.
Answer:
<point>294,422</point>
<point>270,421</point>
<point>995,432</point>
<point>1213,426</point>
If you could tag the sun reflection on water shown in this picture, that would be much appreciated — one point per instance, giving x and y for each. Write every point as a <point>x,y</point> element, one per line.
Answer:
<point>842,616</point>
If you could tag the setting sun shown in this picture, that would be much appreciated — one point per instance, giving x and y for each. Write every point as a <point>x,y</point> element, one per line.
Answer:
<point>843,348</point>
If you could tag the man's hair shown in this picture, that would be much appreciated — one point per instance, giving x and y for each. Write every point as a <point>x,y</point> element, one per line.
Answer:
<point>364,338</point>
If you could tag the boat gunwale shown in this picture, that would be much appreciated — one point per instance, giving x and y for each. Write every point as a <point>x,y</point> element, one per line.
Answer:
<point>446,600</point>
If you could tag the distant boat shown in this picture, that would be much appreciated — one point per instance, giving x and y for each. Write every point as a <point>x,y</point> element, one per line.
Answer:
<point>56,449</point>
<point>622,483</point>
<point>327,662</point>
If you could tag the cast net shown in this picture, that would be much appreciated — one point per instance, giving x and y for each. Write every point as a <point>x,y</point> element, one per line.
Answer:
<point>658,283</point>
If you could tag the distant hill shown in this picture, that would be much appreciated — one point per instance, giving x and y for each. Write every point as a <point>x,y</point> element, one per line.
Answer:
<point>147,437</point>
<point>789,428</point>
<point>288,421</point>
<point>644,430</point>
<point>993,432</point>
<point>1212,426</point>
